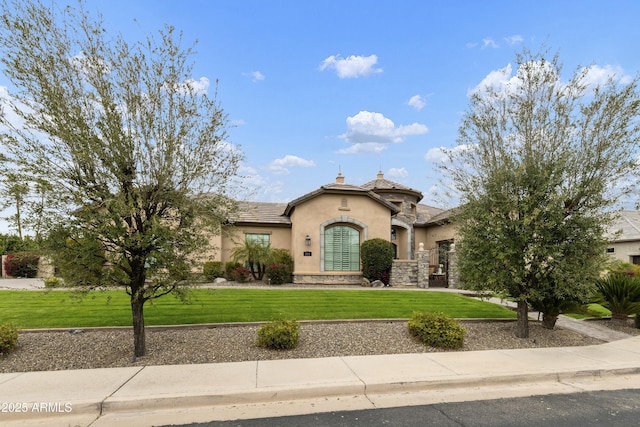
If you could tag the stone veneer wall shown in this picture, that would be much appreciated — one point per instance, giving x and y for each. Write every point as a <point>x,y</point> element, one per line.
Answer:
<point>404,273</point>
<point>411,272</point>
<point>334,279</point>
<point>454,272</point>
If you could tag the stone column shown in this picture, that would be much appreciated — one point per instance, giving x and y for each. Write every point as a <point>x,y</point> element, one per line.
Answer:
<point>454,272</point>
<point>422,257</point>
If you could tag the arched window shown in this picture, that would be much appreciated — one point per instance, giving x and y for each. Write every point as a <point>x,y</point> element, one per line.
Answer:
<point>341,248</point>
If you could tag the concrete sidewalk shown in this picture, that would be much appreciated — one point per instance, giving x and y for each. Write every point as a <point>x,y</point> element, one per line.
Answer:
<point>160,395</point>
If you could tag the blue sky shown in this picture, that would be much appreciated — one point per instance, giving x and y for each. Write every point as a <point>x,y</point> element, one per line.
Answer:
<point>313,87</point>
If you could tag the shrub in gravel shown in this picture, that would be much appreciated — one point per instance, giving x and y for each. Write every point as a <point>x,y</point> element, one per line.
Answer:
<point>620,293</point>
<point>279,274</point>
<point>279,335</point>
<point>437,330</point>
<point>8,338</point>
<point>212,270</point>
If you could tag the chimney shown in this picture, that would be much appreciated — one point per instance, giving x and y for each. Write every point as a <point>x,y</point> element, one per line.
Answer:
<point>380,175</point>
<point>339,178</point>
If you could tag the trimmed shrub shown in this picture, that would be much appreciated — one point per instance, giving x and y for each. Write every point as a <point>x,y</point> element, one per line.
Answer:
<point>8,338</point>
<point>52,282</point>
<point>230,270</point>
<point>212,270</point>
<point>281,256</point>
<point>437,330</point>
<point>279,274</point>
<point>620,293</point>
<point>377,259</point>
<point>242,274</point>
<point>279,335</point>
<point>22,264</point>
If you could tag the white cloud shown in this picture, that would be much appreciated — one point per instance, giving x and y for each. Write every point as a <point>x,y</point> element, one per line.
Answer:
<point>352,66</point>
<point>439,155</point>
<point>495,79</point>
<point>417,101</point>
<point>363,148</point>
<point>199,87</point>
<point>503,79</point>
<point>280,166</point>
<point>238,122</point>
<point>370,132</point>
<point>487,42</point>
<point>596,75</point>
<point>256,76</point>
<point>513,40</point>
<point>398,173</point>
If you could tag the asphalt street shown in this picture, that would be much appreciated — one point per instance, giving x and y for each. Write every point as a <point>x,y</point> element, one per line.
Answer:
<point>598,408</point>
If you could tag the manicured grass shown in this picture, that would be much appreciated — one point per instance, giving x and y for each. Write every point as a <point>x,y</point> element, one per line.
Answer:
<point>593,310</point>
<point>62,309</point>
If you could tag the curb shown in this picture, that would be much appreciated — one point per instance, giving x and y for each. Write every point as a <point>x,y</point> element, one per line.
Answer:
<point>114,406</point>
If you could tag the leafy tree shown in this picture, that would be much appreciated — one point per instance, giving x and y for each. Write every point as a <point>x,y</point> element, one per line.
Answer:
<point>132,144</point>
<point>377,259</point>
<point>536,167</point>
<point>14,191</point>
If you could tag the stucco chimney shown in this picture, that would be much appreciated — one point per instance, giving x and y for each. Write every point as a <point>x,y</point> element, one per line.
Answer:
<point>339,178</point>
<point>380,175</point>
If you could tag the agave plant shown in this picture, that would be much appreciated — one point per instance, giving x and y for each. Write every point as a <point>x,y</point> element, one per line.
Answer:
<point>620,293</point>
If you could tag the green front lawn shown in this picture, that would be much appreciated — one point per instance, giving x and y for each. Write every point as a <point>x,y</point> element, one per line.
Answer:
<point>592,310</point>
<point>61,309</point>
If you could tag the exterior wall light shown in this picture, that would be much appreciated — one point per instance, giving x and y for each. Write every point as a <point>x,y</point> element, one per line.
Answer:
<point>307,240</point>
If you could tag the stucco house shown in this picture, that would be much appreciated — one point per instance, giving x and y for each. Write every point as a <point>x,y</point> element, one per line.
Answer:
<point>323,230</point>
<point>624,237</point>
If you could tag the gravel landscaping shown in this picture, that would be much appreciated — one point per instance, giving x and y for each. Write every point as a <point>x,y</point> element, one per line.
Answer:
<point>37,351</point>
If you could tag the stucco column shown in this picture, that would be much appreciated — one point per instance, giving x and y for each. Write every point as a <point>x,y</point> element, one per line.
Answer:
<point>422,258</point>
<point>454,272</point>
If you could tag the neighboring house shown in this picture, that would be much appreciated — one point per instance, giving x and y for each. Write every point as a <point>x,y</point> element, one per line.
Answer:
<point>323,229</point>
<point>624,237</point>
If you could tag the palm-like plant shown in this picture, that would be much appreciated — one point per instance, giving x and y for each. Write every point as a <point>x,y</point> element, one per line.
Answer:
<point>256,254</point>
<point>620,293</point>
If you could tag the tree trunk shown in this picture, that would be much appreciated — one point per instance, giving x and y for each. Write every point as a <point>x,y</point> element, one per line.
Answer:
<point>522,324</point>
<point>549,321</point>
<point>137,311</point>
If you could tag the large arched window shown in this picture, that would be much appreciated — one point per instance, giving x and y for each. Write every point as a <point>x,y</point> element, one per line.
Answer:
<point>341,248</point>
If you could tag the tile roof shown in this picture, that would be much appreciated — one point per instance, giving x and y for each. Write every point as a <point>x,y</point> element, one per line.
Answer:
<point>262,213</point>
<point>385,184</point>
<point>626,227</point>
<point>429,214</point>
<point>340,189</point>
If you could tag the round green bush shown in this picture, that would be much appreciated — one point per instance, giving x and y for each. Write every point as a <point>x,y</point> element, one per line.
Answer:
<point>377,259</point>
<point>437,330</point>
<point>279,274</point>
<point>52,282</point>
<point>279,335</point>
<point>8,338</point>
<point>212,270</point>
